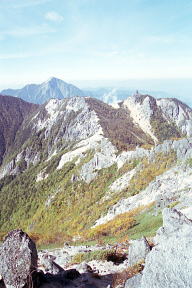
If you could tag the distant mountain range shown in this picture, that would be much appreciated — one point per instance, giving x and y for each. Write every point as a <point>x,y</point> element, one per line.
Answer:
<point>40,93</point>
<point>57,88</point>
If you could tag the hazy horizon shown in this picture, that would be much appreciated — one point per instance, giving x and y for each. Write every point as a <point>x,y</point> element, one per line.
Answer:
<point>174,88</point>
<point>135,44</point>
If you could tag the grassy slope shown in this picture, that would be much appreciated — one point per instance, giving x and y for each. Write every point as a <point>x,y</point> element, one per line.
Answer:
<point>75,207</point>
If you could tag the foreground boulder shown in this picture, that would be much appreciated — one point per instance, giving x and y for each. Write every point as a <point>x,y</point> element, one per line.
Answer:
<point>18,267</point>
<point>18,260</point>
<point>169,264</point>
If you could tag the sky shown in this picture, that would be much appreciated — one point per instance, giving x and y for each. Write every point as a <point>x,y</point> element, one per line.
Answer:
<point>96,40</point>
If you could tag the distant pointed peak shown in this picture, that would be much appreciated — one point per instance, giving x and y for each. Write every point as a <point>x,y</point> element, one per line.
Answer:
<point>53,79</point>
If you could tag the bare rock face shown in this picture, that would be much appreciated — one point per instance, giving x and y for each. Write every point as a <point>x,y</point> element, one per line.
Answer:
<point>174,220</point>
<point>138,251</point>
<point>18,262</point>
<point>169,264</point>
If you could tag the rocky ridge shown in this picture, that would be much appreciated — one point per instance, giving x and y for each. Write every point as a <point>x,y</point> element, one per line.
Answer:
<point>60,124</point>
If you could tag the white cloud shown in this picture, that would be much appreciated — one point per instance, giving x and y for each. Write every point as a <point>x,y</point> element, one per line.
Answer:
<point>14,56</point>
<point>111,96</point>
<point>26,31</point>
<point>53,16</point>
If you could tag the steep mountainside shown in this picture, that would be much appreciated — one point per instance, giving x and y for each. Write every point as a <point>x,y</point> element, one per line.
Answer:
<point>175,111</point>
<point>160,118</point>
<point>118,126</point>
<point>13,111</point>
<point>61,124</point>
<point>53,88</point>
<point>78,165</point>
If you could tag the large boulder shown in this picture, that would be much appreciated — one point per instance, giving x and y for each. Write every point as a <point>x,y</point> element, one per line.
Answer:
<point>169,264</point>
<point>18,259</point>
<point>138,251</point>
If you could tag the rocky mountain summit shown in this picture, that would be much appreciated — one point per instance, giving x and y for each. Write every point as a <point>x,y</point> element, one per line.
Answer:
<point>159,116</point>
<point>40,93</point>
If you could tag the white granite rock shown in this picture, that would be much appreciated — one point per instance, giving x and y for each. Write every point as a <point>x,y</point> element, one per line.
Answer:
<point>169,264</point>
<point>138,251</point>
<point>133,282</point>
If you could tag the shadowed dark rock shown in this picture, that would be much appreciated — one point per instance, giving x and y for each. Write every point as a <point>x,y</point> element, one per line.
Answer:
<point>71,274</point>
<point>2,284</point>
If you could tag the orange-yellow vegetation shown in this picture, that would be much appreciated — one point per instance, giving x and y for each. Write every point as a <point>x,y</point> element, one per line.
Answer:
<point>149,171</point>
<point>120,224</point>
<point>147,146</point>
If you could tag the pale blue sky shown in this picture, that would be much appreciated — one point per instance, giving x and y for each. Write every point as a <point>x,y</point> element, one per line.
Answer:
<point>94,39</point>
